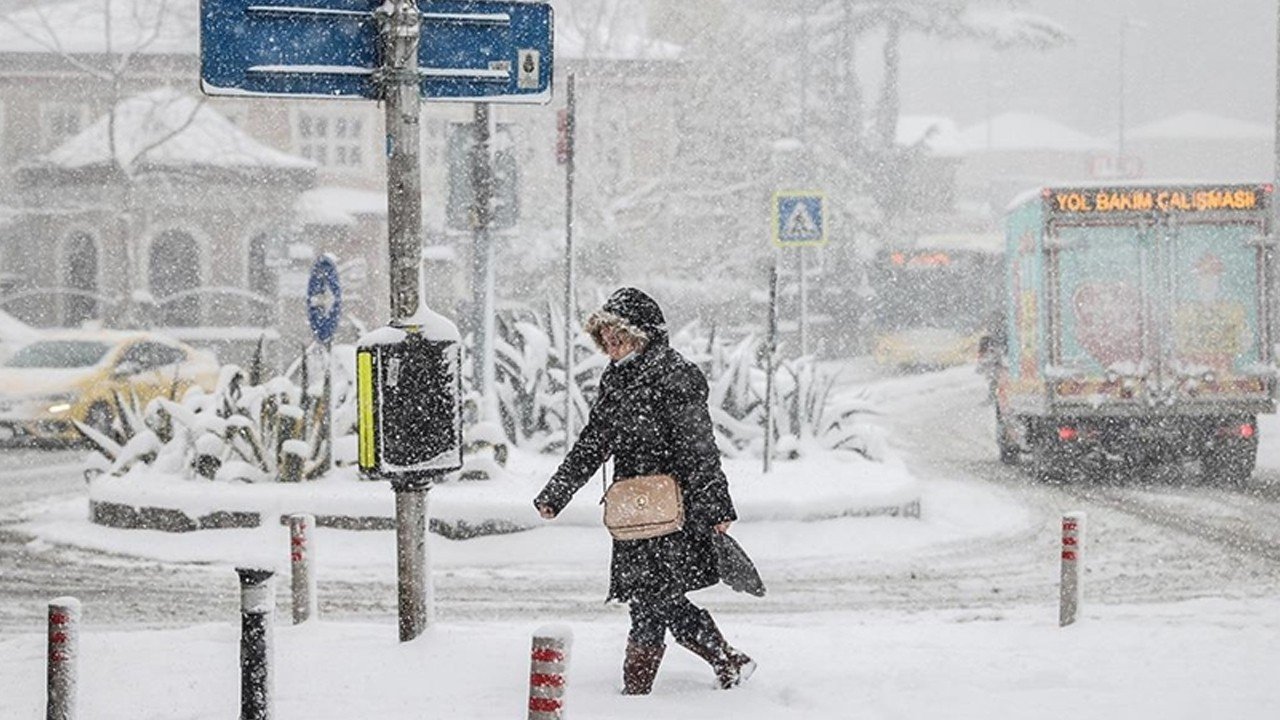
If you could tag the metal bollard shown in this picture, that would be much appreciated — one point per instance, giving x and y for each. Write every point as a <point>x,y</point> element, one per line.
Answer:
<point>302,573</point>
<point>1072,561</point>
<point>64,654</point>
<point>549,663</point>
<point>257,605</point>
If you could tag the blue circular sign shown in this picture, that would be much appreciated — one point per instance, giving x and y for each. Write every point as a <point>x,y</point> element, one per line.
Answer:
<point>324,298</point>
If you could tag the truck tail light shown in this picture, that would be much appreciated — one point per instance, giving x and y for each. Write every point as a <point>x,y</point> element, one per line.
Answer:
<point>1067,433</point>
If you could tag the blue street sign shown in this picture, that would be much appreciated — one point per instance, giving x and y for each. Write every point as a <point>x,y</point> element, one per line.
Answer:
<point>324,298</point>
<point>469,49</point>
<point>798,219</point>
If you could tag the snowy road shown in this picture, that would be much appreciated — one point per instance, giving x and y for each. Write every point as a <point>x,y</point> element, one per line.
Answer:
<point>1158,541</point>
<point>1164,539</point>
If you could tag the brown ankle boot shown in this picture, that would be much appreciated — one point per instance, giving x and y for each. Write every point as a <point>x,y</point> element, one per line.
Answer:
<point>640,667</point>
<point>730,665</point>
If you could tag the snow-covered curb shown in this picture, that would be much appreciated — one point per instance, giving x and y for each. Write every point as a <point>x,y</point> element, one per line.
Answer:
<point>822,487</point>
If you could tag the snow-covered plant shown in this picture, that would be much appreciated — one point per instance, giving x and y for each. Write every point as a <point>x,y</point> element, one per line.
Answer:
<point>805,410</point>
<point>529,373</point>
<point>244,429</point>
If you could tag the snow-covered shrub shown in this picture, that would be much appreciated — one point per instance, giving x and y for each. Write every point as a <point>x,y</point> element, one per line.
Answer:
<point>244,429</point>
<point>529,374</point>
<point>804,411</point>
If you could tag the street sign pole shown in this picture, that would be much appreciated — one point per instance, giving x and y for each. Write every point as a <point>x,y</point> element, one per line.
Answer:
<point>399,33</point>
<point>482,262</point>
<point>570,127</point>
<point>804,303</point>
<point>324,312</point>
<point>771,351</point>
<point>396,52</point>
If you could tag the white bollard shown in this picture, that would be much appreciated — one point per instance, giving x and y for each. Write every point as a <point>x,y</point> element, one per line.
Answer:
<point>1072,567</point>
<point>63,658</point>
<point>302,567</point>
<point>548,666</point>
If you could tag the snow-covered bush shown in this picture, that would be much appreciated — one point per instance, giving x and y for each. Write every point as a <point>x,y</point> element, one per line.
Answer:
<point>529,375</point>
<point>245,429</point>
<point>805,413</point>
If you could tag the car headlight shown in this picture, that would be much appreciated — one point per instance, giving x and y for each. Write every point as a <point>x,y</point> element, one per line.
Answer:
<point>58,404</point>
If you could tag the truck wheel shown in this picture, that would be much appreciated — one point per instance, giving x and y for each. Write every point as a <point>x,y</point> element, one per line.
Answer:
<point>1010,452</point>
<point>1229,465</point>
<point>1047,464</point>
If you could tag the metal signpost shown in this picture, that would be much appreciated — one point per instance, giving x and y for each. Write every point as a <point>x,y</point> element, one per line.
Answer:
<point>797,222</point>
<point>324,310</point>
<point>399,52</point>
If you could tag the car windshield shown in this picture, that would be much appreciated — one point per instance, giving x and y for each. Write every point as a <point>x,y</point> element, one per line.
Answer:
<point>59,354</point>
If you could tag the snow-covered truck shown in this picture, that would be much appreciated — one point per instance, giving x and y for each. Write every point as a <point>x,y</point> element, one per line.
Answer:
<point>1136,329</point>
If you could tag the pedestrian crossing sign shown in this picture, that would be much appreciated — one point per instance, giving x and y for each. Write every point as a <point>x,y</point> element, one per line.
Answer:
<point>798,219</point>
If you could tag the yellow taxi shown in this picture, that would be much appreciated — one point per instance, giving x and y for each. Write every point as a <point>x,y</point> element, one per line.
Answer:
<point>75,375</point>
<point>926,349</point>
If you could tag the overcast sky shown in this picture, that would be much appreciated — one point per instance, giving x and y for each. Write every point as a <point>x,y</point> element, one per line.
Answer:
<point>1209,55</point>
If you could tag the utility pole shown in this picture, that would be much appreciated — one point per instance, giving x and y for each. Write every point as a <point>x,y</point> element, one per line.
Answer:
<point>399,34</point>
<point>570,127</point>
<point>482,290</point>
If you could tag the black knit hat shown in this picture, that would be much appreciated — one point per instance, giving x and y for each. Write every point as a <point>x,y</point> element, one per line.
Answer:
<point>636,309</point>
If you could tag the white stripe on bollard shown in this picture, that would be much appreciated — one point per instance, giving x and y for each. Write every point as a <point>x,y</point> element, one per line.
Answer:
<point>1072,568</point>
<point>302,567</point>
<point>63,658</point>
<point>548,666</point>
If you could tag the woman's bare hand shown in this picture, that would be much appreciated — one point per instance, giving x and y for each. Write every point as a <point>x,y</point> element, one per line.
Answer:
<point>723,527</point>
<point>546,512</point>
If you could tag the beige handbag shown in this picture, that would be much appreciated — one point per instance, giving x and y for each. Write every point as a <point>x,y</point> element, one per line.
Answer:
<point>639,508</point>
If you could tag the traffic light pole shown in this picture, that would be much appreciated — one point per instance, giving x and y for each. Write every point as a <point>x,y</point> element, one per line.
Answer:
<point>399,32</point>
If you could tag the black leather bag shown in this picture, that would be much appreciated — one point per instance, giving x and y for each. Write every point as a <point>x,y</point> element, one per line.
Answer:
<point>736,569</point>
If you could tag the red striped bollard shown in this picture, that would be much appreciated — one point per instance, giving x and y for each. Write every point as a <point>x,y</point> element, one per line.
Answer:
<point>64,655</point>
<point>1072,562</point>
<point>549,663</point>
<point>302,571</point>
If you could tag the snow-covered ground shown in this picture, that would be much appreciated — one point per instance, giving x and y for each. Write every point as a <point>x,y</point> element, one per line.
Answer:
<point>1208,659</point>
<point>953,614</point>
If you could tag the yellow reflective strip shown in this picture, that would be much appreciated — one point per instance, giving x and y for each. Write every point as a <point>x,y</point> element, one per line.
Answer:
<point>364,404</point>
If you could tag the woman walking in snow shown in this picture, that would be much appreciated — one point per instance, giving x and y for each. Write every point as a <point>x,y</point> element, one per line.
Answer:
<point>651,417</point>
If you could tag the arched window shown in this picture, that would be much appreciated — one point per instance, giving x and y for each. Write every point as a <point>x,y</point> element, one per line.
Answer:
<point>81,274</point>
<point>262,279</point>
<point>175,268</point>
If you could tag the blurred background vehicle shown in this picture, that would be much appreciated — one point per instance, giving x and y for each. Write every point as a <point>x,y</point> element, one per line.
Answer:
<point>82,376</point>
<point>931,305</point>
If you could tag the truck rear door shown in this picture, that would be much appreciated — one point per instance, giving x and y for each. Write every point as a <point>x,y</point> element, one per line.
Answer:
<point>1213,337</point>
<point>1100,312</point>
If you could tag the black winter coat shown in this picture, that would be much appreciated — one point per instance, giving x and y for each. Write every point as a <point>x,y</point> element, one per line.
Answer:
<point>651,416</point>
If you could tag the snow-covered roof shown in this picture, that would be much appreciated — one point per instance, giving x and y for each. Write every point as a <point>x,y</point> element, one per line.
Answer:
<point>1202,126</point>
<point>80,27</point>
<point>339,205</point>
<point>172,129</point>
<point>1025,131</point>
<point>939,134</point>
